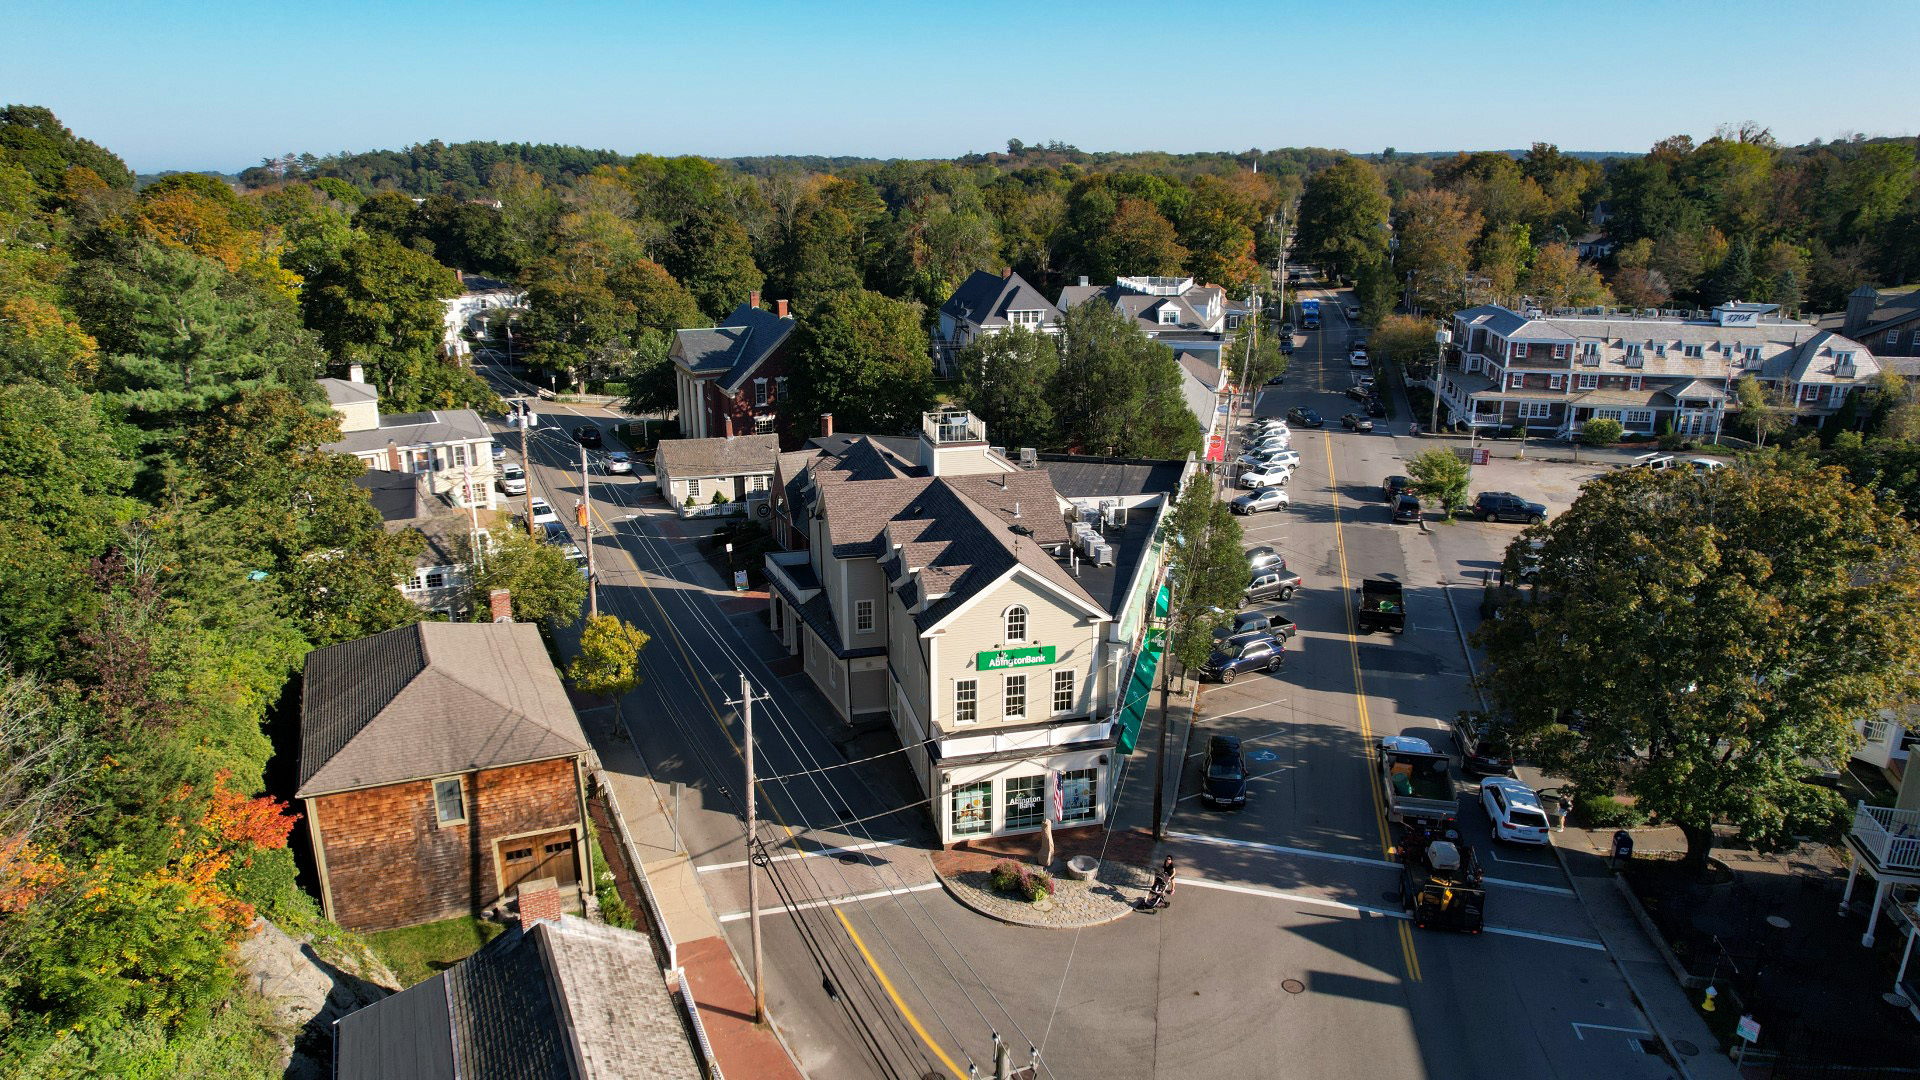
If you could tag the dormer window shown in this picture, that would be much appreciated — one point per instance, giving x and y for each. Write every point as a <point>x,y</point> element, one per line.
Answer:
<point>1029,319</point>
<point>1016,623</point>
<point>1693,352</point>
<point>1752,355</point>
<point>1660,350</point>
<point>1843,364</point>
<point>1169,316</point>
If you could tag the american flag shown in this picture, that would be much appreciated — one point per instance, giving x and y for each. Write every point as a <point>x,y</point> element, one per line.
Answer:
<point>1059,797</point>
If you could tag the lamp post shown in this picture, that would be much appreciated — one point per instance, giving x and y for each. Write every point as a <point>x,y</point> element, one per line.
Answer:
<point>1441,338</point>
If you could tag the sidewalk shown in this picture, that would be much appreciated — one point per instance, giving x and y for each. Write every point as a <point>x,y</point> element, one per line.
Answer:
<point>1689,1042</point>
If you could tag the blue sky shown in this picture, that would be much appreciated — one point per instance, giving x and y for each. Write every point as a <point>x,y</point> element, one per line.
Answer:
<point>220,85</point>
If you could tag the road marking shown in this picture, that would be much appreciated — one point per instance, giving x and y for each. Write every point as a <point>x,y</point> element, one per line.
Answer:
<point>806,854</point>
<point>1609,1027</point>
<point>887,985</point>
<point>832,902</point>
<point>1528,886</point>
<point>1282,850</point>
<point>1405,917</point>
<point>1243,712</point>
<point>1553,939</point>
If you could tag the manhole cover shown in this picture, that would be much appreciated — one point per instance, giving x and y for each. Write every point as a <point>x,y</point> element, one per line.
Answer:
<point>1686,1048</point>
<point>1294,986</point>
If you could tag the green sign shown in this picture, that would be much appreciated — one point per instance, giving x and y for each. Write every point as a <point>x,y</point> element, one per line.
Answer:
<point>1004,659</point>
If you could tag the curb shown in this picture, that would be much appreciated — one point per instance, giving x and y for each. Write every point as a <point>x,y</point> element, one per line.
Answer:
<point>968,902</point>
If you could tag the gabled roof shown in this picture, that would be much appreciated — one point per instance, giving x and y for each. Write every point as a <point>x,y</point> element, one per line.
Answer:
<point>1891,308</point>
<point>730,352</point>
<point>984,300</point>
<point>1816,360</point>
<point>346,392</point>
<point>563,1000</point>
<point>430,699</point>
<point>415,429</point>
<point>739,455</point>
<point>1144,308</point>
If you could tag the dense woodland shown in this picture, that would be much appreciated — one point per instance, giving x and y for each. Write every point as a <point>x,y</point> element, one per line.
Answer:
<point>174,542</point>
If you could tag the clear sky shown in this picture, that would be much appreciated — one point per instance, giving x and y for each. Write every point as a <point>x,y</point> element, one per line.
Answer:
<point>219,85</point>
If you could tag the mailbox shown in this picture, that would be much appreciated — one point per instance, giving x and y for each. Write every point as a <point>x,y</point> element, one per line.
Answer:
<point>1622,845</point>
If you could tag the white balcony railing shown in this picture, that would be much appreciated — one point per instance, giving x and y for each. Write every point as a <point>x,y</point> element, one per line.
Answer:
<point>1891,837</point>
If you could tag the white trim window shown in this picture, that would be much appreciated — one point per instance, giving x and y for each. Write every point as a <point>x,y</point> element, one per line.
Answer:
<point>1693,352</point>
<point>763,424</point>
<point>1169,315</point>
<point>1590,352</point>
<point>759,392</point>
<point>1024,802</point>
<point>693,489</point>
<point>1516,381</point>
<point>1517,350</point>
<point>449,802</point>
<point>756,483</point>
<point>1633,382</point>
<point>1560,352</point>
<point>1588,382</point>
<point>1062,692</point>
<point>1751,354</point>
<point>1638,418</point>
<point>1556,382</point>
<point>1636,351</point>
<point>966,701</point>
<point>1535,410</point>
<point>1016,623</point>
<point>1916,338</point>
<point>1028,319</point>
<point>863,616</point>
<point>1076,794</point>
<point>779,388</point>
<point>1893,336</point>
<point>1014,698</point>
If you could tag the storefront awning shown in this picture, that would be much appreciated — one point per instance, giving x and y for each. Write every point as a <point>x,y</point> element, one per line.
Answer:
<point>1139,691</point>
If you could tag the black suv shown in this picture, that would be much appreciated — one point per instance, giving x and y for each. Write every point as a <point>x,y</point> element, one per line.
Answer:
<point>1406,507</point>
<point>586,435</point>
<point>1305,418</point>
<point>1393,485</point>
<point>1483,745</point>
<point>1506,506</point>
<point>1226,783</point>
<point>1256,651</point>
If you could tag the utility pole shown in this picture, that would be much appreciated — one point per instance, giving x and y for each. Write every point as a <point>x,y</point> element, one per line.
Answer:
<point>586,522</point>
<point>1166,682</point>
<point>526,463</point>
<point>754,857</point>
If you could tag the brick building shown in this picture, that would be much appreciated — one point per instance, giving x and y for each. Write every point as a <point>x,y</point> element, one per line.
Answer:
<point>441,765</point>
<point>731,379</point>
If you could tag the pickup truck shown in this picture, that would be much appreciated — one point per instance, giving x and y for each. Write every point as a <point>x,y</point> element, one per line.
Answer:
<point>1418,783</point>
<point>1382,607</point>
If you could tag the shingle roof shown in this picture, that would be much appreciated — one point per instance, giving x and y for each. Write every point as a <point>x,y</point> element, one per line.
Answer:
<point>1077,477</point>
<point>731,351</point>
<point>429,700</point>
<point>984,300</point>
<point>565,1000</point>
<point>1891,308</point>
<point>1144,308</point>
<point>739,455</point>
<point>415,429</point>
<point>346,392</point>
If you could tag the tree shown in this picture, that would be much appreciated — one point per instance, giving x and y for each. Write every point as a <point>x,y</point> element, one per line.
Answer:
<point>711,256</point>
<point>1503,258</point>
<point>1406,341</point>
<point>609,658</point>
<point>1118,391</point>
<point>1138,242</point>
<point>1697,641</point>
<point>1761,407</point>
<point>1437,231</point>
<point>1441,478</point>
<point>1601,431</point>
<point>1004,380</point>
<point>1343,218</point>
<point>865,359</point>
<point>542,583</point>
<point>1558,278</point>
<point>1252,358</point>
<point>1207,567</point>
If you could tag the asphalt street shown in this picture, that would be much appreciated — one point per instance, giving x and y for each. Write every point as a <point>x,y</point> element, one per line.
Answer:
<point>1286,952</point>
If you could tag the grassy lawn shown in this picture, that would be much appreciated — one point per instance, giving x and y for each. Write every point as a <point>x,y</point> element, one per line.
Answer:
<point>417,953</point>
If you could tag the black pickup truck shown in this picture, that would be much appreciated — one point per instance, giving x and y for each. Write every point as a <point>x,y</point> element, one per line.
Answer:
<point>1382,607</point>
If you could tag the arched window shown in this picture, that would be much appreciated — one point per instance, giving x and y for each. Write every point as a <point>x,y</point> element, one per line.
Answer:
<point>1016,624</point>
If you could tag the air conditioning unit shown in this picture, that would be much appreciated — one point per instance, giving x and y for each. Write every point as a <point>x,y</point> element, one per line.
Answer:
<point>1029,457</point>
<point>1103,555</point>
<point>1116,516</point>
<point>1091,543</point>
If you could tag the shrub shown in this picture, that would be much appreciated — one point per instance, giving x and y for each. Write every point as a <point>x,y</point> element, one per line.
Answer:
<point>1601,431</point>
<point>1037,885</point>
<point>719,498</point>
<point>1607,812</point>
<point>1006,877</point>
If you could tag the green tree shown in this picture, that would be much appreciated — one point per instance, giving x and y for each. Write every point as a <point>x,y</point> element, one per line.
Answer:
<point>1437,231</point>
<point>1252,358</point>
<point>1441,478</point>
<point>543,584</point>
<point>1761,407</point>
<point>1118,391</point>
<point>1406,341</point>
<point>1711,636</point>
<point>711,256</point>
<point>1004,380</point>
<point>1207,567</point>
<point>1503,258</point>
<point>609,658</point>
<point>865,359</point>
<point>1343,218</point>
<point>1601,431</point>
<point>1139,242</point>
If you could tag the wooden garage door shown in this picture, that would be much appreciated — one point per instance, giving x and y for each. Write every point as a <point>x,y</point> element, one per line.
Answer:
<point>528,857</point>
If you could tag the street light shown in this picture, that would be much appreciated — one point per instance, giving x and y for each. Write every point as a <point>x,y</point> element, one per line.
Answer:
<point>1442,337</point>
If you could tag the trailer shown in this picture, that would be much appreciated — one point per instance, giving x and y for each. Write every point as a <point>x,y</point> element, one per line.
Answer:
<point>1441,884</point>
<point>1418,784</point>
<point>1383,606</point>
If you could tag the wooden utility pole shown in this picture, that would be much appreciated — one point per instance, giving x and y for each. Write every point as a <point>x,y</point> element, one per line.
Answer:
<point>586,522</point>
<point>526,463</point>
<point>754,858</point>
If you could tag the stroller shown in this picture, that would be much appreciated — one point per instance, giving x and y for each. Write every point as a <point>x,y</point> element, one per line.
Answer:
<point>1161,894</point>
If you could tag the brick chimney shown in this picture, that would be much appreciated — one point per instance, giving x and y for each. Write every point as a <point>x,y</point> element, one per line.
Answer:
<point>356,373</point>
<point>536,900</point>
<point>1007,273</point>
<point>780,308</point>
<point>500,602</point>
<point>753,299</point>
<point>826,424</point>
<point>393,456</point>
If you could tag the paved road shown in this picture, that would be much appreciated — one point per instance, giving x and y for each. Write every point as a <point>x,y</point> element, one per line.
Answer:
<point>1284,955</point>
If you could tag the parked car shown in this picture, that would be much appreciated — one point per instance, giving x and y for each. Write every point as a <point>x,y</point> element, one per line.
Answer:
<point>1261,557</point>
<point>1226,783</point>
<point>1353,312</point>
<point>1655,462</point>
<point>1365,380</point>
<point>513,479</point>
<point>1406,507</point>
<point>1393,485</point>
<point>1286,329</point>
<point>555,533</point>
<point>1359,393</point>
<point>1269,476</point>
<point>1483,746</point>
<point>1506,506</point>
<point>1375,407</point>
<point>1355,422</point>
<point>1256,459</point>
<point>1358,358</point>
<point>619,464</point>
<point>1273,444</point>
<point>575,556</point>
<point>499,453</point>
<point>1271,623</point>
<point>1305,417</point>
<point>1286,346</point>
<point>1268,429</point>
<point>1703,465</point>
<point>1283,456</point>
<point>543,511</point>
<point>1514,810</point>
<point>1271,585</point>
<point>587,435</point>
<point>1277,379</point>
<point>1271,498</point>
<point>1253,651</point>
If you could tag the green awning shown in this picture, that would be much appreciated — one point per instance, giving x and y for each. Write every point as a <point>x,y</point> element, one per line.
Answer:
<point>1162,600</point>
<point>1139,693</point>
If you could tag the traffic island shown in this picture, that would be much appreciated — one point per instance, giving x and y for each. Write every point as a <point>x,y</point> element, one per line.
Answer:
<point>1075,894</point>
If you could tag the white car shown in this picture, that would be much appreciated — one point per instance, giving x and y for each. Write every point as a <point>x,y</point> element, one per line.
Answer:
<point>1273,476</point>
<point>513,479</point>
<point>619,463</point>
<point>1359,359</point>
<point>1514,810</point>
<point>543,511</point>
<point>1289,459</point>
<point>1277,435</point>
<point>1264,499</point>
<point>1272,442</point>
<point>1353,312</point>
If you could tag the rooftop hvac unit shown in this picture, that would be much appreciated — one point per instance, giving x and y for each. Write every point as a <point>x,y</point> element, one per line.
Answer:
<point>1116,516</point>
<point>1103,555</point>
<point>1088,515</point>
<point>1029,457</point>
<point>1091,543</point>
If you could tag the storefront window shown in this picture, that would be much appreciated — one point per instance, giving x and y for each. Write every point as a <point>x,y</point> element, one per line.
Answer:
<point>1076,794</point>
<point>973,809</point>
<point>1026,801</point>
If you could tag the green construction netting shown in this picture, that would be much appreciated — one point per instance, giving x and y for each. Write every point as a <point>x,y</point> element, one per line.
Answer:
<point>1139,692</point>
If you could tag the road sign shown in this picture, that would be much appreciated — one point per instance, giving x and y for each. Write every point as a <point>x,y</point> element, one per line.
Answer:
<point>1748,1028</point>
<point>739,581</point>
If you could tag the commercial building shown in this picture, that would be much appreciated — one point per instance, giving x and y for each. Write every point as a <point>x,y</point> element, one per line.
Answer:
<point>995,617</point>
<point>1555,371</point>
<point>731,379</point>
